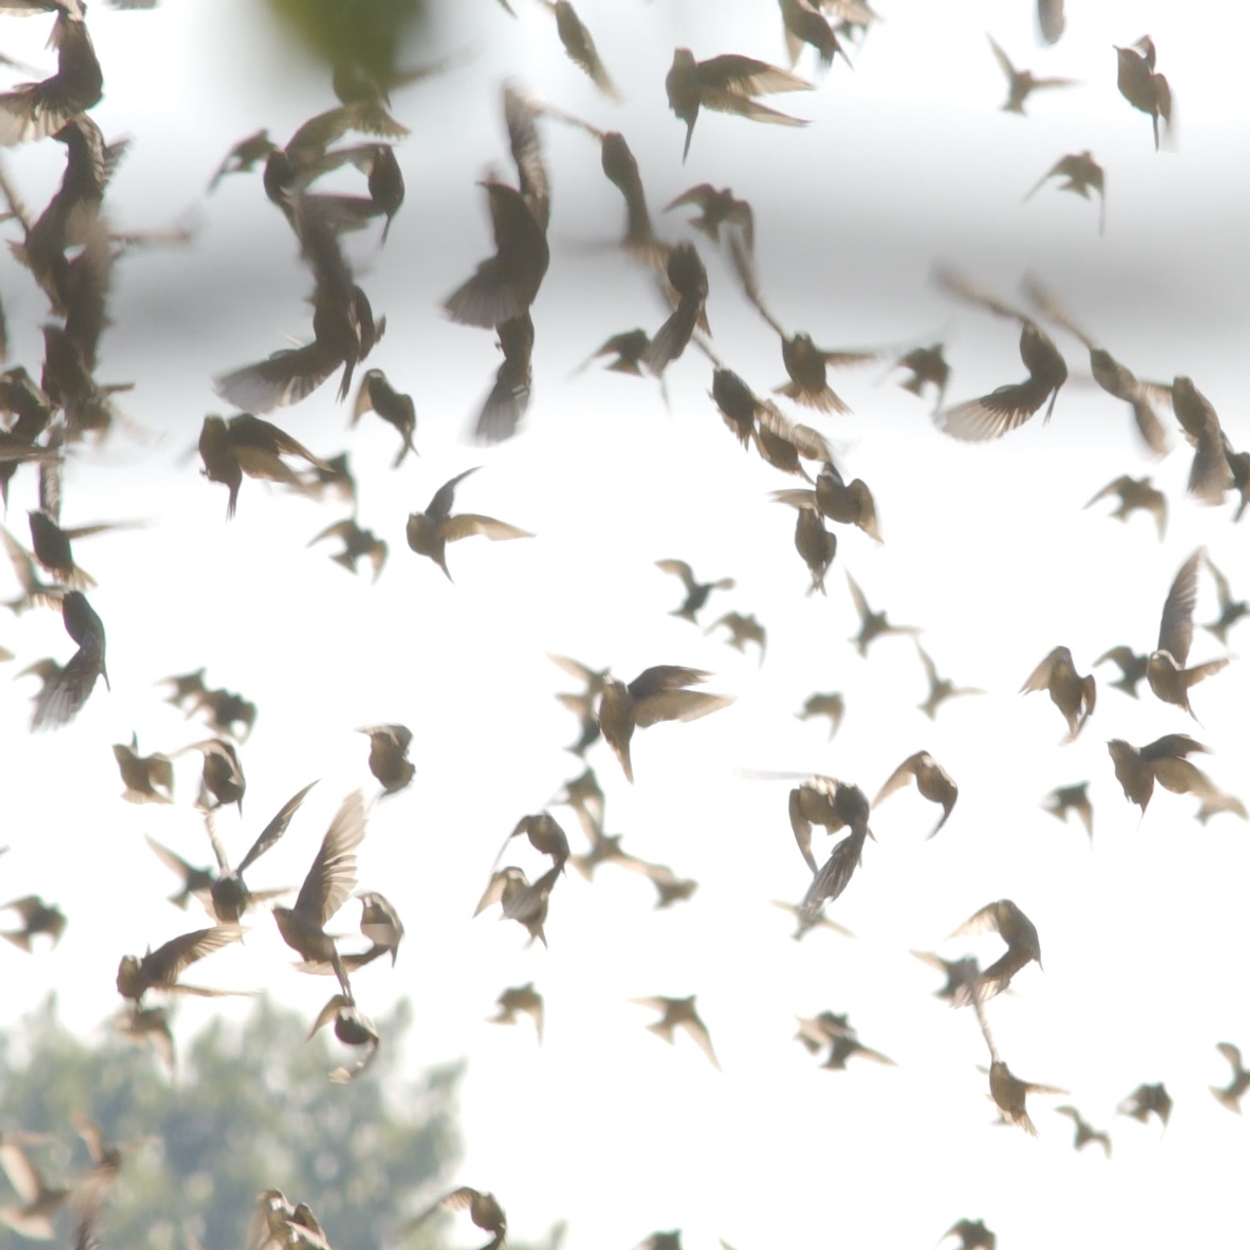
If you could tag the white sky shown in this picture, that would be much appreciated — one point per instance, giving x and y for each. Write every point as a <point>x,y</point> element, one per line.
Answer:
<point>907,161</point>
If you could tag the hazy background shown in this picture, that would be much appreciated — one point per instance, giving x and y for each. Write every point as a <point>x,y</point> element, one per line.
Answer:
<point>907,161</point>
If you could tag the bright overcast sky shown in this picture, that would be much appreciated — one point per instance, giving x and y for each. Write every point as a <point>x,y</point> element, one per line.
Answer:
<point>907,161</point>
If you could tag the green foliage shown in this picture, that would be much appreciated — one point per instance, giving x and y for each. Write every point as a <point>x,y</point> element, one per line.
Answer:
<point>363,33</point>
<point>251,1108</point>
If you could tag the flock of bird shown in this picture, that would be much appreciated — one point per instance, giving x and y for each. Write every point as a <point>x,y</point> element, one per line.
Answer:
<point>70,251</point>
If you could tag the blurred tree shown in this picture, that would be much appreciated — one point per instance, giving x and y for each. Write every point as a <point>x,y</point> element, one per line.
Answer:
<point>250,1108</point>
<point>367,35</point>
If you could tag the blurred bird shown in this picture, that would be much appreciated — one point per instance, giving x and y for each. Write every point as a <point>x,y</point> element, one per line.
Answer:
<point>805,923</point>
<point>194,880</point>
<point>430,531</point>
<point>246,445</point>
<point>353,1028</point>
<point>580,46</point>
<point>726,84</point>
<point>37,917</point>
<point>1145,1101</point>
<point>872,624</point>
<point>959,973</point>
<point>388,755</point>
<point>928,367</point>
<point>504,285</point>
<point>696,592</point>
<point>521,900</point>
<point>1164,760</point>
<point>679,1013</point>
<point>940,688</point>
<point>805,24</point>
<point>1064,799</point>
<point>834,1031</point>
<point>187,687</point>
<point>509,398</point>
<point>1144,88</point>
<point>1136,494</point>
<point>358,544</point>
<point>148,1026</point>
<point>1230,1096</point>
<point>35,593</point>
<point>228,894</point>
<point>227,711</point>
<point>1023,947</point>
<point>584,704</point>
<point>376,394</point>
<point>815,544</point>
<point>483,1208</point>
<point>65,692</point>
<point>831,705</point>
<point>738,406</point>
<point>222,774</point>
<point>835,874</point>
<point>1131,665</point>
<point>1050,20</point>
<point>932,780</point>
<point>520,998</point>
<point>142,774</point>
<point>39,1203</point>
<point>1113,377</point>
<point>38,109</point>
<point>1071,693</point>
<point>656,694</point>
<point>243,157</point>
<point>159,969</point>
<point>329,882</point>
<point>972,1234</point>
<point>781,442</point>
<point>380,923</point>
<point>688,278</point>
<point>544,834</point>
<point>1084,1132</point>
<point>1009,1093</point>
<point>1169,679</point>
<point>742,629</point>
<point>628,348</point>
<point>1210,474</point>
<point>1021,83</point>
<point>716,209</point>
<point>1083,173</point>
<point>1012,405</point>
<point>51,546</point>
<point>1231,610</point>
<point>827,802</point>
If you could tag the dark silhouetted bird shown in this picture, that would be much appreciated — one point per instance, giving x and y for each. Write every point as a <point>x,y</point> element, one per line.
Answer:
<point>1131,665</point>
<point>1145,1101</point>
<point>1231,610</point>
<point>679,1013</point>
<point>147,778</point>
<point>932,780</point>
<point>1010,406</point>
<point>940,688</point>
<point>727,84</point>
<point>430,531</point>
<point>358,543</point>
<point>353,1028</point>
<point>65,692</point>
<point>161,968</point>
<point>520,998</point>
<point>388,755</point>
<point>656,694</point>
<point>1071,693</point>
<point>483,1208</point>
<point>1083,1132</point>
<point>1142,86</point>
<point>1021,83</point>
<point>972,1234</point>
<point>688,278</point>
<point>1230,1095</point>
<point>1136,494</point>
<point>1169,679</point>
<point>1023,947</point>
<point>376,394</point>
<point>246,445</point>
<point>696,592</point>
<point>1064,799</point>
<point>37,917</point>
<point>832,705</point>
<point>872,624</point>
<point>742,629</point>
<point>716,209</point>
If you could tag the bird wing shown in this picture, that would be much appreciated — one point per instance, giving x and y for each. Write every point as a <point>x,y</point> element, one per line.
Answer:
<point>275,828</point>
<point>163,966</point>
<point>683,705</point>
<point>1040,677</point>
<point>1112,488</point>
<point>861,604</point>
<point>664,677</point>
<point>332,877</point>
<point>744,76</point>
<point>899,777</point>
<point>469,523</point>
<point>440,506</point>
<point>1001,57</point>
<point>989,917</point>
<point>1176,626</point>
<point>678,568</point>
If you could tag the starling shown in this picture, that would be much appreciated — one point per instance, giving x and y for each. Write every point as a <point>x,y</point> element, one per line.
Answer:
<point>940,688</point>
<point>1071,693</point>
<point>679,1013</point>
<point>1165,668</point>
<point>932,780</point>
<point>358,543</point>
<point>520,998</point>
<point>37,917</point>
<point>832,705</point>
<point>1083,174</point>
<point>160,969</point>
<point>377,395</point>
<point>1021,83</point>
<point>1023,947</point>
<point>1142,86</point>
<point>388,755</point>
<point>742,629</point>
<point>1083,1132</point>
<point>1136,494</point>
<point>1064,799</point>
<point>696,592</point>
